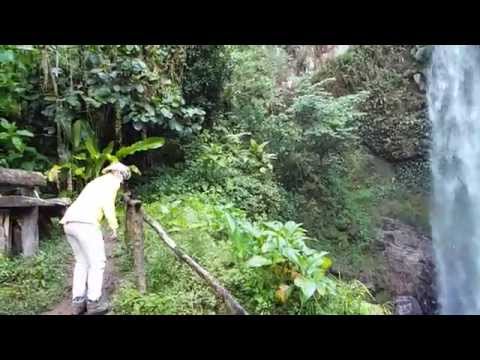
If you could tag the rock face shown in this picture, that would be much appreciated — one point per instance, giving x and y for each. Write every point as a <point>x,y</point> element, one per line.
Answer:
<point>395,125</point>
<point>308,58</point>
<point>410,268</point>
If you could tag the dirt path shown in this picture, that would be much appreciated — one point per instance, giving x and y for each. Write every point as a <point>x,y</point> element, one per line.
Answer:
<point>109,284</point>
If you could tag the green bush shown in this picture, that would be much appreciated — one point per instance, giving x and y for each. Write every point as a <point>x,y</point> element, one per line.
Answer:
<point>14,149</point>
<point>227,166</point>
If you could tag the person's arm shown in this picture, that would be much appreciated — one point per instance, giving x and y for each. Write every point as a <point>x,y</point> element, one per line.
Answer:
<point>109,209</point>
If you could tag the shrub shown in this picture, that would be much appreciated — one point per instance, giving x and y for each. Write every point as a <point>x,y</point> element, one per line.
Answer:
<point>227,166</point>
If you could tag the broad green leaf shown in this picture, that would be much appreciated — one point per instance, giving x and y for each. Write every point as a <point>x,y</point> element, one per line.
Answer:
<point>18,143</point>
<point>230,222</point>
<point>5,124</point>
<point>96,104</point>
<point>327,263</point>
<point>101,92</point>
<point>80,157</point>
<point>258,261</point>
<point>72,100</point>
<point>7,56</point>
<point>291,254</point>
<point>91,148</point>
<point>142,145</point>
<point>269,245</point>
<point>321,289</point>
<point>52,174</point>
<point>108,150</point>
<point>150,109</point>
<point>24,133</point>
<point>166,113</point>
<point>135,170</point>
<point>307,286</point>
<point>79,171</point>
<point>111,158</point>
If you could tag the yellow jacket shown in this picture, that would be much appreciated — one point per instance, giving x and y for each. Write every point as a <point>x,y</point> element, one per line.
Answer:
<point>96,200</point>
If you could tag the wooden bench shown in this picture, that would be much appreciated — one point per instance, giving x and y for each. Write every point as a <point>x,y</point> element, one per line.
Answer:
<point>21,208</point>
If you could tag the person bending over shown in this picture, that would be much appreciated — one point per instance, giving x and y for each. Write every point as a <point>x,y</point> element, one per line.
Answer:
<point>81,224</point>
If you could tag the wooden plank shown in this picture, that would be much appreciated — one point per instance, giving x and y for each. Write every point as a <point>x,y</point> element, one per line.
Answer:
<point>5,233</point>
<point>11,201</point>
<point>21,178</point>
<point>17,190</point>
<point>28,220</point>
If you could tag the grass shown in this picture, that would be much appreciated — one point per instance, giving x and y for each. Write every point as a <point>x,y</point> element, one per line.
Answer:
<point>173,287</point>
<point>31,285</point>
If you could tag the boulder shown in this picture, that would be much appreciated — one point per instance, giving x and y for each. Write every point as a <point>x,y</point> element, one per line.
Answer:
<point>410,267</point>
<point>407,305</point>
<point>420,81</point>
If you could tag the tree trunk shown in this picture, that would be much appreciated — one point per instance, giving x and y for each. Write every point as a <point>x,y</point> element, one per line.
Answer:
<point>220,291</point>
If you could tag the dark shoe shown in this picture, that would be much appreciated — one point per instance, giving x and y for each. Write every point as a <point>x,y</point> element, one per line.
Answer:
<point>79,305</point>
<point>98,307</point>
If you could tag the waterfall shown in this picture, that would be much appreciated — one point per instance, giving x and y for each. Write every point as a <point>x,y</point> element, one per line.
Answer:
<point>453,95</point>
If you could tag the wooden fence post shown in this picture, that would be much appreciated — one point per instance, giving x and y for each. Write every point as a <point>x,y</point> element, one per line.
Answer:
<point>134,233</point>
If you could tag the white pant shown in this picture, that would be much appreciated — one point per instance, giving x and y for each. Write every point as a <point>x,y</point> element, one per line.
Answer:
<point>88,248</point>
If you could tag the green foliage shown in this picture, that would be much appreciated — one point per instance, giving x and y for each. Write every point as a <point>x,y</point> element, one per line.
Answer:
<point>349,298</point>
<point>14,151</point>
<point>207,69</point>
<point>282,246</point>
<point>395,125</point>
<point>203,228</point>
<point>15,64</point>
<point>32,285</point>
<point>250,90</point>
<point>88,161</point>
<point>228,166</point>
<point>329,123</point>
<point>135,84</point>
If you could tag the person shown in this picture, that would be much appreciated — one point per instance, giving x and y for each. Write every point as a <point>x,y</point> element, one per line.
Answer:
<point>82,228</point>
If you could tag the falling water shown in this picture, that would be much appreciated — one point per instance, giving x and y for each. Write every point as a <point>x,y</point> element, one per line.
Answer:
<point>454,110</point>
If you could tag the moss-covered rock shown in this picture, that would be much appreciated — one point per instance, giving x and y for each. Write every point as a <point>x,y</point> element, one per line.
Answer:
<point>395,126</point>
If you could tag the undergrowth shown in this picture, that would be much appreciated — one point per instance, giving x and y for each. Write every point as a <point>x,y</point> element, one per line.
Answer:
<point>197,206</point>
<point>32,285</point>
